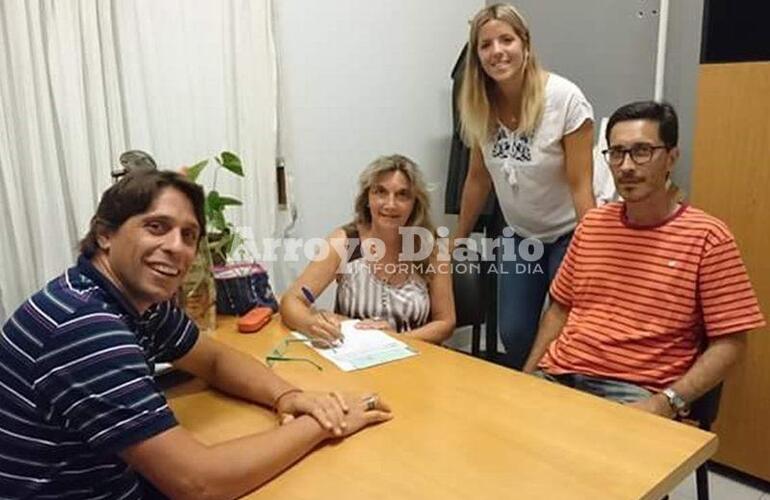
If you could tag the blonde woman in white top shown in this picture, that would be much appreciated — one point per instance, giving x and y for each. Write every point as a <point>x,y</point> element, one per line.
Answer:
<point>531,136</point>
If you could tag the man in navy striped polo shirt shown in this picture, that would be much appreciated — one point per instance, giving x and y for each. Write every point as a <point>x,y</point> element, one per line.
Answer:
<point>80,414</point>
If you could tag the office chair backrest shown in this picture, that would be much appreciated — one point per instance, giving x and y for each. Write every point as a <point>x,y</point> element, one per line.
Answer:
<point>468,286</point>
<point>705,409</point>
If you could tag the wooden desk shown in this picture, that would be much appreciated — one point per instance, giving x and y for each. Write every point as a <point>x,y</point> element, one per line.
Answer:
<point>463,428</point>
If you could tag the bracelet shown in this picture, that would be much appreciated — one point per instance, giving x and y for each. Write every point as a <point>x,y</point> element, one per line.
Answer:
<point>281,395</point>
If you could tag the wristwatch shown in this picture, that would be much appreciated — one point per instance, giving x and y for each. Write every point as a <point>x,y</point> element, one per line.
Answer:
<point>676,402</point>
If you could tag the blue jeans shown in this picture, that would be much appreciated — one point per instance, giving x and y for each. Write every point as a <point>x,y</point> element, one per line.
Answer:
<point>522,287</point>
<point>614,390</point>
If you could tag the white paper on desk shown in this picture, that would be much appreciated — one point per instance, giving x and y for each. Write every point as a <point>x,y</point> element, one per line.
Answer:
<point>363,348</point>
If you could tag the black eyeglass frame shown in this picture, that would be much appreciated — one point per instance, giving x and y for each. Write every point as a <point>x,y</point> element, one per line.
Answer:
<point>630,152</point>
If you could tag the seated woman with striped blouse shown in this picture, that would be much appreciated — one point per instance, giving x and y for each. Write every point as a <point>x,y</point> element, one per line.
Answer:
<point>408,296</point>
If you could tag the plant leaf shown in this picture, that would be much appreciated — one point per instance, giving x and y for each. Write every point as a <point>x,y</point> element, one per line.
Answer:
<point>212,204</point>
<point>226,200</point>
<point>220,245</point>
<point>194,171</point>
<point>218,220</point>
<point>213,194</point>
<point>231,162</point>
<point>239,245</point>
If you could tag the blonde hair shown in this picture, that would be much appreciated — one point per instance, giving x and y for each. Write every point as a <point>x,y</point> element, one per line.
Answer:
<point>420,215</point>
<point>477,118</point>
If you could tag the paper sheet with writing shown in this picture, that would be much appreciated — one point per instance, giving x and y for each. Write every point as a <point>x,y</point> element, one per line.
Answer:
<point>364,348</point>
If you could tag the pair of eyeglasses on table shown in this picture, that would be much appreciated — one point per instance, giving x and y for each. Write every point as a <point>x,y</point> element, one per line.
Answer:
<point>279,352</point>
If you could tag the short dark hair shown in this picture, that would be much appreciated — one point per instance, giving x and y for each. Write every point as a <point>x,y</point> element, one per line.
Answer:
<point>661,112</point>
<point>132,195</point>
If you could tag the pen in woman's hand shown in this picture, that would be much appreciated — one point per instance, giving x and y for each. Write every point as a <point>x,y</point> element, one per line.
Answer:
<point>311,298</point>
<point>308,294</point>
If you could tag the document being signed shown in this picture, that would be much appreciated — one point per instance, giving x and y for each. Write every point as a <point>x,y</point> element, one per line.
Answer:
<point>363,348</point>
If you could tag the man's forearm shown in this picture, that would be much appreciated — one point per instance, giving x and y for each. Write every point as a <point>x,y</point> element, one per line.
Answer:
<point>182,467</point>
<point>240,375</point>
<point>711,367</point>
<point>551,325</point>
<point>251,461</point>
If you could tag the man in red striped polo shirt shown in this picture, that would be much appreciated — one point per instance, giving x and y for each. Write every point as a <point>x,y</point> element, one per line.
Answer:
<point>652,303</point>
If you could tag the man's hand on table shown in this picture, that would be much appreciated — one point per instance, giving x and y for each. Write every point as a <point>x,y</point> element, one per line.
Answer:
<point>340,415</point>
<point>328,408</point>
<point>657,404</point>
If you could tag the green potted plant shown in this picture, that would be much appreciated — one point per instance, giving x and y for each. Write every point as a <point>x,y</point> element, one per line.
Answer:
<point>198,295</point>
<point>221,236</point>
<point>237,284</point>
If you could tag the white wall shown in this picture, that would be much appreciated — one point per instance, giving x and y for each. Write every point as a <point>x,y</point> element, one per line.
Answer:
<point>681,85</point>
<point>609,49</point>
<point>359,80</point>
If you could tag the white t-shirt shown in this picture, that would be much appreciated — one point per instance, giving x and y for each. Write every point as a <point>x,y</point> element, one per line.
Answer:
<point>528,172</point>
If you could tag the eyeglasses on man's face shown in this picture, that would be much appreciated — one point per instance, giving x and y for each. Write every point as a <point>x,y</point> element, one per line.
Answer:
<point>639,153</point>
<point>279,352</point>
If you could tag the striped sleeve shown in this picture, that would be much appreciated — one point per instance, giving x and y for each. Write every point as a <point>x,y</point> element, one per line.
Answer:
<point>98,385</point>
<point>175,332</point>
<point>562,288</point>
<point>727,298</point>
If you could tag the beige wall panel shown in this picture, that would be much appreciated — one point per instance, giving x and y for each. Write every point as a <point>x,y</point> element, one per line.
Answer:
<point>731,180</point>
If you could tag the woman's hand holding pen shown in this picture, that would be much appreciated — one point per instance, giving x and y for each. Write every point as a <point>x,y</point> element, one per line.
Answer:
<point>326,325</point>
<point>323,325</point>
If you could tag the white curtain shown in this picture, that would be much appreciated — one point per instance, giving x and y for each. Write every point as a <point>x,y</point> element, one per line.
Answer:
<point>81,81</point>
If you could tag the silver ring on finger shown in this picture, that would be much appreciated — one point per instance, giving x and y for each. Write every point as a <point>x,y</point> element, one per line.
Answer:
<point>371,402</point>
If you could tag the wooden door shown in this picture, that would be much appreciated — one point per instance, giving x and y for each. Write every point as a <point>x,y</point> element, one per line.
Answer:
<point>731,180</point>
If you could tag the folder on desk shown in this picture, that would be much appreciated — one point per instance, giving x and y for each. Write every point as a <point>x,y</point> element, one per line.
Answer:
<point>364,348</point>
